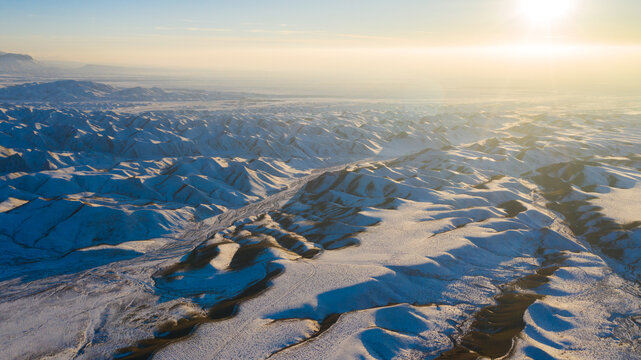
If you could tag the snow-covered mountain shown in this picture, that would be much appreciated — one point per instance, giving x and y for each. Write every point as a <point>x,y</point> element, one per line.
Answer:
<point>86,91</point>
<point>19,64</point>
<point>303,229</point>
<point>27,68</point>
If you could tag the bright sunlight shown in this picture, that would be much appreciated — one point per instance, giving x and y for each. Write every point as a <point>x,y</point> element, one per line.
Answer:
<point>545,12</point>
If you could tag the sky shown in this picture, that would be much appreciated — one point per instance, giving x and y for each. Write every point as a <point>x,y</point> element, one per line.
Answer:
<point>400,43</point>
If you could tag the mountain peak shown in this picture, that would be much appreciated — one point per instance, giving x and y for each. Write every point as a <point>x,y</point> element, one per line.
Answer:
<point>4,57</point>
<point>11,63</point>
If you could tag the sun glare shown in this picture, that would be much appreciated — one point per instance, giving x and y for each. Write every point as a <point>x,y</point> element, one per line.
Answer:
<point>545,12</point>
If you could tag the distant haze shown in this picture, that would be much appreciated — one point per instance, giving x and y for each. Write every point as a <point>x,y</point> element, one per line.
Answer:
<point>406,47</point>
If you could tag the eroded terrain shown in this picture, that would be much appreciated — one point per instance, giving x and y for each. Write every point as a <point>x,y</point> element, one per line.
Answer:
<point>320,228</point>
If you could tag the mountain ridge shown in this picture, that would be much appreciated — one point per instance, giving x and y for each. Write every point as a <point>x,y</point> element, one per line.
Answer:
<point>86,90</point>
<point>17,63</point>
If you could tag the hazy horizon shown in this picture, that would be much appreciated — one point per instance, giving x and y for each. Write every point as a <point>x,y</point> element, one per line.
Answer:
<point>412,47</point>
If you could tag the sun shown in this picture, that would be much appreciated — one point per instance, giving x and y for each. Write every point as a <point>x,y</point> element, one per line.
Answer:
<point>545,12</point>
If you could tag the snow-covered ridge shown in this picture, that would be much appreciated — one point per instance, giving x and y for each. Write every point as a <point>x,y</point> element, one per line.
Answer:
<point>438,234</point>
<point>342,230</point>
<point>75,179</point>
<point>87,91</point>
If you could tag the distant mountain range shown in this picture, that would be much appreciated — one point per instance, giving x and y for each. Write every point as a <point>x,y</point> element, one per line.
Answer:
<point>20,63</point>
<point>23,65</point>
<point>82,91</point>
<point>6,57</point>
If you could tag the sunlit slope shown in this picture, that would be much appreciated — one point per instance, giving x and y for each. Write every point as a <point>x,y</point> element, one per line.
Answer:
<point>320,229</point>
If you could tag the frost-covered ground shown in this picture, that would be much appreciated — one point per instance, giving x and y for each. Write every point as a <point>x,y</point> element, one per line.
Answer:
<point>186,227</point>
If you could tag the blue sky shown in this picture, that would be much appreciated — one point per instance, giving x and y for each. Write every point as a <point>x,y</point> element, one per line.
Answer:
<point>70,18</point>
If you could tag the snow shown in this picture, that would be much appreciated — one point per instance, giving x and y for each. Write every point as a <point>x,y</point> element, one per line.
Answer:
<point>11,203</point>
<point>314,228</point>
<point>622,205</point>
<point>588,311</point>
